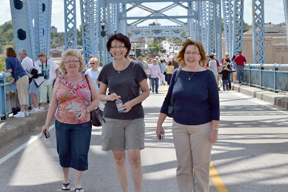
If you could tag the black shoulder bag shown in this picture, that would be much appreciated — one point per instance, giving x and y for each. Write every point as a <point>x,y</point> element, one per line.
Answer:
<point>96,114</point>
<point>171,104</point>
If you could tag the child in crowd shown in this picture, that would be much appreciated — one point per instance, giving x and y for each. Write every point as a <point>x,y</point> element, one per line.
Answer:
<point>225,72</point>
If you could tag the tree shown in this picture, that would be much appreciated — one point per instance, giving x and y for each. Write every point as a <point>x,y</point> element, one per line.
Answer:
<point>154,48</point>
<point>79,36</point>
<point>138,51</point>
<point>157,39</point>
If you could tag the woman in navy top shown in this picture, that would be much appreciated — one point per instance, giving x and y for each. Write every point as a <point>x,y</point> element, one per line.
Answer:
<point>13,66</point>
<point>195,119</point>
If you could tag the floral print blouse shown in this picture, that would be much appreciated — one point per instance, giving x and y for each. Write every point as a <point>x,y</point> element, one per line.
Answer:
<point>72,99</point>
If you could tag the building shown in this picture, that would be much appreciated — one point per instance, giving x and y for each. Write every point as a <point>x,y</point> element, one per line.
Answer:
<point>54,29</point>
<point>276,50</point>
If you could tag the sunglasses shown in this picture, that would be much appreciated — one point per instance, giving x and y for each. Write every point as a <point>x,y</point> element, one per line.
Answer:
<point>92,63</point>
<point>40,55</point>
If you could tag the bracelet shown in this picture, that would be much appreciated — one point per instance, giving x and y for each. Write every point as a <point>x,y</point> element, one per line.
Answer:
<point>216,129</point>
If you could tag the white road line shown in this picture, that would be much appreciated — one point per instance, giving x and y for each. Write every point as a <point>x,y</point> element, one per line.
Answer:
<point>8,156</point>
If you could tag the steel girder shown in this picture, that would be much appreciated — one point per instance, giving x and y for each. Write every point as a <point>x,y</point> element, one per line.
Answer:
<point>31,26</point>
<point>211,33</point>
<point>87,22</point>
<point>237,26</point>
<point>258,31</point>
<point>218,29</point>
<point>70,24</point>
<point>285,2</point>
<point>204,22</point>
<point>228,24</point>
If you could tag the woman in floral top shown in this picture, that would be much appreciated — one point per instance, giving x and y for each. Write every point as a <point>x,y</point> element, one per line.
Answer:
<point>73,101</point>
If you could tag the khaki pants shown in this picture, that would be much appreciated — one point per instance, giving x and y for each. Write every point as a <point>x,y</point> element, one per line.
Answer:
<point>22,88</point>
<point>43,93</point>
<point>193,152</point>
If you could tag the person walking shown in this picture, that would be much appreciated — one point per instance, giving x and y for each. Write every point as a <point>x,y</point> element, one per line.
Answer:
<point>163,67</point>
<point>73,100</point>
<point>51,71</point>
<point>175,62</point>
<point>94,71</point>
<point>213,67</point>
<point>169,71</point>
<point>34,89</point>
<point>195,118</point>
<point>155,73</point>
<point>13,66</point>
<point>233,68</point>
<point>225,77</point>
<point>123,130</point>
<point>240,61</point>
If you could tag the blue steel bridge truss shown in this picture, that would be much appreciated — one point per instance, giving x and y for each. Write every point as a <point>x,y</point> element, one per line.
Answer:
<point>32,20</point>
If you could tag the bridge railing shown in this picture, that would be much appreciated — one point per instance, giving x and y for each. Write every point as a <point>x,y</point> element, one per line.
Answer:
<point>8,96</point>
<point>267,76</point>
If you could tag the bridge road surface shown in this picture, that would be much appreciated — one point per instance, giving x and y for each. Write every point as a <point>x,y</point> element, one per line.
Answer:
<point>251,154</point>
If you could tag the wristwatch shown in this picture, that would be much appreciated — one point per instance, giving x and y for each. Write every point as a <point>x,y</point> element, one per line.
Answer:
<point>216,129</point>
<point>87,111</point>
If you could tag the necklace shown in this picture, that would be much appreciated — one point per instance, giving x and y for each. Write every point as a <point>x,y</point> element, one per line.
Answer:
<point>121,68</point>
<point>188,75</point>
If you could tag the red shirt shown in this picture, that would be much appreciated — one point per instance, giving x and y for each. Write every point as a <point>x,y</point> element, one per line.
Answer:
<point>240,59</point>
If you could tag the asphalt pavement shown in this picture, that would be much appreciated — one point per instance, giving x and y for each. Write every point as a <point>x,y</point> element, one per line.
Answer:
<point>251,154</point>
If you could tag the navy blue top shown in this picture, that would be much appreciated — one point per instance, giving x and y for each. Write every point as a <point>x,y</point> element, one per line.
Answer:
<point>196,101</point>
<point>11,64</point>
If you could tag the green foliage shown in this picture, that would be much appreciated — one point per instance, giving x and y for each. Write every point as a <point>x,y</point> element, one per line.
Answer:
<point>6,35</point>
<point>154,48</point>
<point>138,51</point>
<point>2,63</point>
<point>79,36</point>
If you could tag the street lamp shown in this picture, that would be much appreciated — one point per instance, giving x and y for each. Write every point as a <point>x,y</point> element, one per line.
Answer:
<point>103,34</point>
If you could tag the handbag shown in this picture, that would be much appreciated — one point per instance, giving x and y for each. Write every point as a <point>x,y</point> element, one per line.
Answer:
<point>172,100</point>
<point>96,114</point>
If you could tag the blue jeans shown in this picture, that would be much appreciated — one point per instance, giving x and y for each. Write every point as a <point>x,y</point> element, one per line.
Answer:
<point>229,80</point>
<point>240,73</point>
<point>73,142</point>
<point>155,83</point>
<point>225,84</point>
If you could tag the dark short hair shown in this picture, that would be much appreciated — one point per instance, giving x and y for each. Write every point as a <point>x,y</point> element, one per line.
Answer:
<point>211,56</point>
<point>10,52</point>
<point>239,51</point>
<point>122,38</point>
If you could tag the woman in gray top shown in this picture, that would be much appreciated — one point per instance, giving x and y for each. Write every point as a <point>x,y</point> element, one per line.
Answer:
<point>123,130</point>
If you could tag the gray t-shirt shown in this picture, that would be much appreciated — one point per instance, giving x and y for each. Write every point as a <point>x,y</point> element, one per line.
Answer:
<point>125,84</point>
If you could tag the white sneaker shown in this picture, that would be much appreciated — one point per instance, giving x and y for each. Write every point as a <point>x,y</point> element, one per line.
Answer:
<point>34,110</point>
<point>20,114</point>
<point>41,109</point>
<point>26,113</point>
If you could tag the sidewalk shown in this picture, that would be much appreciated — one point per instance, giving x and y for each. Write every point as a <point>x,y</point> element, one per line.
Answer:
<point>276,99</point>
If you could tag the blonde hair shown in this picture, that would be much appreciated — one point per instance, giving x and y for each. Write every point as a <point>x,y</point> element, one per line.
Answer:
<point>72,52</point>
<point>140,58</point>
<point>180,57</point>
<point>94,59</point>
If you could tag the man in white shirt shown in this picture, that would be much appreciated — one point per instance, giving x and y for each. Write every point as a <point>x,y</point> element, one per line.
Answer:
<point>213,66</point>
<point>50,71</point>
<point>28,65</point>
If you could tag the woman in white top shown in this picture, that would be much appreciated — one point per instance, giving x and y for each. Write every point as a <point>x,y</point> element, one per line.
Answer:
<point>93,72</point>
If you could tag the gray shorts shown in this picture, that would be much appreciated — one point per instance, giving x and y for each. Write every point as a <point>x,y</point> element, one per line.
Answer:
<point>118,135</point>
<point>33,89</point>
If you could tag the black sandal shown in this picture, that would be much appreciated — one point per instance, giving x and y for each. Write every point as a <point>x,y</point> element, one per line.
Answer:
<point>79,189</point>
<point>65,185</point>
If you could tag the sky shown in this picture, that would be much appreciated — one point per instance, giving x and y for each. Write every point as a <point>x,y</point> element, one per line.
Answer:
<point>273,9</point>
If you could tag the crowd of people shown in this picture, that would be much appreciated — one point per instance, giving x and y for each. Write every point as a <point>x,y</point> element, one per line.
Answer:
<point>74,89</point>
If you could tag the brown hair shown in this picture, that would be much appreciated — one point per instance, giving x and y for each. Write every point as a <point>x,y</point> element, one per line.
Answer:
<point>170,63</point>
<point>180,57</point>
<point>42,54</point>
<point>72,52</point>
<point>101,64</point>
<point>10,52</point>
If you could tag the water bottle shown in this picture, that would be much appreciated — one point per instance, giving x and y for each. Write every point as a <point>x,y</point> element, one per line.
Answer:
<point>118,104</point>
